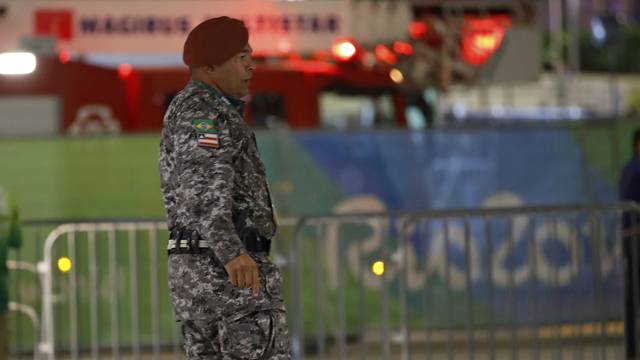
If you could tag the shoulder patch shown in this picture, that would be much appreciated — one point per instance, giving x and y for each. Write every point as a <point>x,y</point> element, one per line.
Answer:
<point>204,125</point>
<point>206,132</point>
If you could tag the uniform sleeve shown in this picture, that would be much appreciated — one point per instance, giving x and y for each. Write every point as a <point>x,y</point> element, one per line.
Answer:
<point>206,181</point>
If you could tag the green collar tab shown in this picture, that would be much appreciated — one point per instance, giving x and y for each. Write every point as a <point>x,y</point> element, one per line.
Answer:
<point>236,103</point>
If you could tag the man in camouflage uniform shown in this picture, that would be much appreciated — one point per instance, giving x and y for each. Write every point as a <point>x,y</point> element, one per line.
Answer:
<point>224,289</point>
<point>10,236</point>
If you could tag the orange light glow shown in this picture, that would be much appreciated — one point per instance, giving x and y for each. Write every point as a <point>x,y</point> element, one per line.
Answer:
<point>486,42</point>
<point>124,70</point>
<point>344,50</point>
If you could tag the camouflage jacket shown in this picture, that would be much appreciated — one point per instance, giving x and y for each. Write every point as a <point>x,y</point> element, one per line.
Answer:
<point>212,178</point>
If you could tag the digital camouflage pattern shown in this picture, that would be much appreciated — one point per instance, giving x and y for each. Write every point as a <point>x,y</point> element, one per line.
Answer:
<point>218,192</point>
<point>214,182</point>
<point>229,323</point>
<point>200,288</point>
<point>261,336</point>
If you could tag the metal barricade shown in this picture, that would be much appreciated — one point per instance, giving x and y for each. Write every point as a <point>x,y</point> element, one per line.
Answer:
<point>104,291</point>
<point>525,282</point>
<point>25,289</point>
<point>508,283</point>
<point>25,310</point>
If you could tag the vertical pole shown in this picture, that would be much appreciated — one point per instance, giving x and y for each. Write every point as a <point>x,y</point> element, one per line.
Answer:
<point>512,289</point>
<point>447,281</point>
<point>113,274</point>
<point>320,263</point>
<point>73,298</point>
<point>404,291</point>
<point>93,275</point>
<point>342,341</point>
<point>155,305</point>
<point>424,239</point>
<point>135,303</point>
<point>556,14</point>
<point>469,288</point>
<point>361,304</point>
<point>490,284</point>
<point>296,293</point>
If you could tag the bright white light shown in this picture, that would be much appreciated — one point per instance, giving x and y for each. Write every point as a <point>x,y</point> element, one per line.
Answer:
<point>17,63</point>
<point>344,50</point>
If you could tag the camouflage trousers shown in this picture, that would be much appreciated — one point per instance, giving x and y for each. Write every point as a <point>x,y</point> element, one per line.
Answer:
<point>261,335</point>
<point>223,321</point>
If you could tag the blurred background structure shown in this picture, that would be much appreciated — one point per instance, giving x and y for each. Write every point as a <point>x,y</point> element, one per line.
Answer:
<point>446,172</point>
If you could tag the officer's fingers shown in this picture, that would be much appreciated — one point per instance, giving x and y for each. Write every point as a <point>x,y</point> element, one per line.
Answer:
<point>256,283</point>
<point>240,277</point>
<point>248,279</point>
<point>233,276</point>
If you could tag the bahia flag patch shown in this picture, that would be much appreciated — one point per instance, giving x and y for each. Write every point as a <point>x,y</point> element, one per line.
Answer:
<point>206,132</point>
<point>208,140</point>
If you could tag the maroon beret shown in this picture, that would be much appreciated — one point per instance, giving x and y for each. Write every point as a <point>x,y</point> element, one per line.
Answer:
<point>214,41</point>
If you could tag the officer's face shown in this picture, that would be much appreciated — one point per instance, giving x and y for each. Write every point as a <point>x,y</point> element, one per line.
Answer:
<point>233,76</point>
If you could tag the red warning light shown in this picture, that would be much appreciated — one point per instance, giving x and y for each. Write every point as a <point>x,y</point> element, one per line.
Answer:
<point>64,56</point>
<point>481,37</point>
<point>403,48</point>
<point>384,54</point>
<point>344,50</point>
<point>124,70</point>
<point>417,29</point>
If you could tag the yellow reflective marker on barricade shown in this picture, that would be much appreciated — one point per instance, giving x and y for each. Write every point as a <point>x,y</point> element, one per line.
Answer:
<point>378,268</point>
<point>64,264</point>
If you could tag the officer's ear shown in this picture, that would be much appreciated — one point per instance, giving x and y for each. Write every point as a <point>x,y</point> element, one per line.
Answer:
<point>210,69</point>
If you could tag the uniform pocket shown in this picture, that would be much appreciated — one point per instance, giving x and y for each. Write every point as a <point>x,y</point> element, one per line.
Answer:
<point>273,281</point>
<point>248,337</point>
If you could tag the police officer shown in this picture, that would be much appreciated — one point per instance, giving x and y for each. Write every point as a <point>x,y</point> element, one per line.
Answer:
<point>224,290</point>
<point>10,236</point>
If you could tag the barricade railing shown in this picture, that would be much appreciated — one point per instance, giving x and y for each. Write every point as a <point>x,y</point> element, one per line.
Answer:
<point>22,309</point>
<point>104,291</point>
<point>534,282</point>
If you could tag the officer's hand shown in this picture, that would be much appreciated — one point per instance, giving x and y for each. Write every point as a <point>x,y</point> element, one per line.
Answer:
<point>243,272</point>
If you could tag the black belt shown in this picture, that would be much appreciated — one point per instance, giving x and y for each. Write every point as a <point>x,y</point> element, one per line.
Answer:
<point>188,242</point>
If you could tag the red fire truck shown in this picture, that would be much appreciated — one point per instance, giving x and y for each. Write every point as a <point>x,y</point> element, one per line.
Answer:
<point>345,86</point>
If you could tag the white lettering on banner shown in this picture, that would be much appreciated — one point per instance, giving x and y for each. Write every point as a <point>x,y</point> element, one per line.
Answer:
<point>608,257</point>
<point>501,274</point>
<point>370,245</point>
<point>547,272</point>
<point>550,271</point>
<point>437,261</point>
